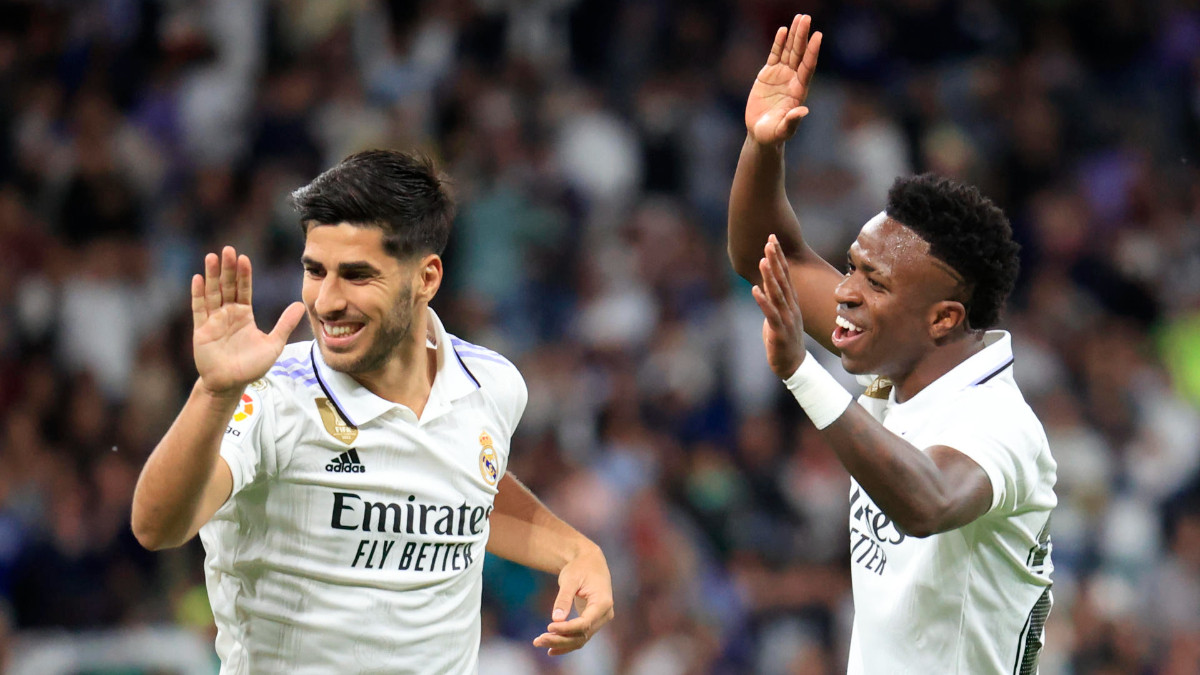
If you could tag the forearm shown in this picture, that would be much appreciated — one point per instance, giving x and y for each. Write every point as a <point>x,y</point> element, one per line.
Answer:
<point>524,531</point>
<point>173,483</point>
<point>901,479</point>
<point>758,206</point>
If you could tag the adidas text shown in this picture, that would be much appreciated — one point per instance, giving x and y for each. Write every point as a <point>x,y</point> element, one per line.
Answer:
<point>347,462</point>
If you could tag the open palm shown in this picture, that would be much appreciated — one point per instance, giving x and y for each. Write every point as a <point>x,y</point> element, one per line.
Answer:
<point>229,349</point>
<point>776,103</point>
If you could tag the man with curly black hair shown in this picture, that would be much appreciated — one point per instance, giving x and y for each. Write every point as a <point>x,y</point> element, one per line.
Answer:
<point>952,478</point>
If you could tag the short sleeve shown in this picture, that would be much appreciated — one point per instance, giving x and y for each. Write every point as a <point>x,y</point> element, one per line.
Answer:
<point>520,400</point>
<point>1002,444</point>
<point>249,441</point>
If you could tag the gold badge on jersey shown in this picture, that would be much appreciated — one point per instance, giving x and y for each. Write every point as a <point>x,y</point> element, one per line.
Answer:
<point>489,465</point>
<point>880,388</point>
<point>334,424</point>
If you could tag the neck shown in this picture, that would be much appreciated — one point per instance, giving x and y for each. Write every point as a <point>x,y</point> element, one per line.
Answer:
<point>941,360</point>
<point>407,377</point>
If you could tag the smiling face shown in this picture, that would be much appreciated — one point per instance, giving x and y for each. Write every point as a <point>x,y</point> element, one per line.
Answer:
<point>362,303</point>
<point>897,302</point>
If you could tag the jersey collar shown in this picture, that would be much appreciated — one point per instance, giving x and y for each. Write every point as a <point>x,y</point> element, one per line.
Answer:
<point>993,360</point>
<point>357,405</point>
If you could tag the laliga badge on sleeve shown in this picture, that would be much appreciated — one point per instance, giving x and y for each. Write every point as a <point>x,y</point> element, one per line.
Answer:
<point>489,466</point>
<point>334,424</point>
<point>245,408</point>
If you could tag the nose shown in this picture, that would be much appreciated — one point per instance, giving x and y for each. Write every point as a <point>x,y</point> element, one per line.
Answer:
<point>847,292</point>
<point>330,300</point>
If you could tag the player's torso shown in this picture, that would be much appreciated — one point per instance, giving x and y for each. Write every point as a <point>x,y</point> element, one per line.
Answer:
<point>951,602</point>
<point>886,563</point>
<point>365,547</point>
<point>393,504</point>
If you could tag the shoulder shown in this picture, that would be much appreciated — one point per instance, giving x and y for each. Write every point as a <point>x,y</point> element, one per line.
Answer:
<point>293,374</point>
<point>485,365</point>
<point>998,407</point>
<point>496,376</point>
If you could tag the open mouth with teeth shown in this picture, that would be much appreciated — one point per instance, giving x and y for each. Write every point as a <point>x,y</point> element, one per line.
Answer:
<point>340,335</point>
<point>845,333</point>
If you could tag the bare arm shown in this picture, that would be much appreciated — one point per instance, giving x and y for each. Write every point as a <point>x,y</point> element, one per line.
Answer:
<point>524,531</point>
<point>758,204</point>
<point>185,481</point>
<point>923,492</point>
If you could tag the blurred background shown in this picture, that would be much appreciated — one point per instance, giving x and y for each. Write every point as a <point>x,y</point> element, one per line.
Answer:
<point>591,144</point>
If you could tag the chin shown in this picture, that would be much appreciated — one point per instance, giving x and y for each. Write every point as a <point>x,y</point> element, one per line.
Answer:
<point>340,361</point>
<point>857,366</point>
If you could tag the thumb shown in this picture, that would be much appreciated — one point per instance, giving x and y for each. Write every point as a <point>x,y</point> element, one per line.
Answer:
<point>562,604</point>
<point>791,121</point>
<point>287,322</point>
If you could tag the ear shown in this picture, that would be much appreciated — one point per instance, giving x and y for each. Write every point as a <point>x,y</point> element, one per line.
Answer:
<point>945,317</point>
<point>428,277</point>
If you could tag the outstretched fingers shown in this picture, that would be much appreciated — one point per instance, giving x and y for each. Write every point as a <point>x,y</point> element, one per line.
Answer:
<point>809,64</point>
<point>779,266</point>
<point>245,284</point>
<point>287,323</point>
<point>772,284</point>
<point>785,57</point>
<point>777,46</point>
<point>199,305</point>
<point>774,295</point>
<point>799,34</point>
<point>767,297</point>
<point>769,312</point>
<point>228,275</point>
<point>212,282</point>
<point>792,119</point>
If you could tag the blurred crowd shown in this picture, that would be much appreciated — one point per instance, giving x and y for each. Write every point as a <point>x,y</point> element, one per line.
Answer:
<point>591,145</point>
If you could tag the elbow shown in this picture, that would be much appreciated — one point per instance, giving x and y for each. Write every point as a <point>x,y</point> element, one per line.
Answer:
<point>151,538</point>
<point>918,529</point>
<point>147,537</point>
<point>925,522</point>
<point>745,266</point>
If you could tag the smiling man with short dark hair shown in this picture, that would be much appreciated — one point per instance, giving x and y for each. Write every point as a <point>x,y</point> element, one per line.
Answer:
<point>952,478</point>
<point>346,488</point>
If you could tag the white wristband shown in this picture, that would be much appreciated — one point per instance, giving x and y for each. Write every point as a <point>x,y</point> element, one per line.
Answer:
<point>821,397</point>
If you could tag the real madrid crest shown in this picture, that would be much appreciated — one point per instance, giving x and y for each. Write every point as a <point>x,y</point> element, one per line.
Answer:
<point>489,464</point>
<point>334,424</point>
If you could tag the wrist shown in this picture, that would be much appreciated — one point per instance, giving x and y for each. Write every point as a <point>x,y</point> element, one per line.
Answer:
<point>772,148</point>
<point>581,547</point>
<point>217,396</point>
<point>821,397</point>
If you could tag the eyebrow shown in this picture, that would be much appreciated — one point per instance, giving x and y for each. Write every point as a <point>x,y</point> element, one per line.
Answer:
<point>863,265</point>
<point>359,267</point>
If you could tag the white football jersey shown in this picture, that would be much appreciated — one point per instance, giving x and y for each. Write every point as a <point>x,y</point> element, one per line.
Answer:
<point>973,600</point>
<point>354,538</point>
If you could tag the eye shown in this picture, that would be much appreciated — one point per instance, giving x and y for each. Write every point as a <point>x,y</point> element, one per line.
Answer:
<point>874,284</point>
<point>314,272</point>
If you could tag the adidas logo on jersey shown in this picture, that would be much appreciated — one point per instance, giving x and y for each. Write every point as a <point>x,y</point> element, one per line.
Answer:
<point>347,462</point>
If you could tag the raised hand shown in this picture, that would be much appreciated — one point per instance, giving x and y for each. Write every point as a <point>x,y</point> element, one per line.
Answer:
<point>776,103</point>
<point>783,324</point>
<point>230,350</point>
